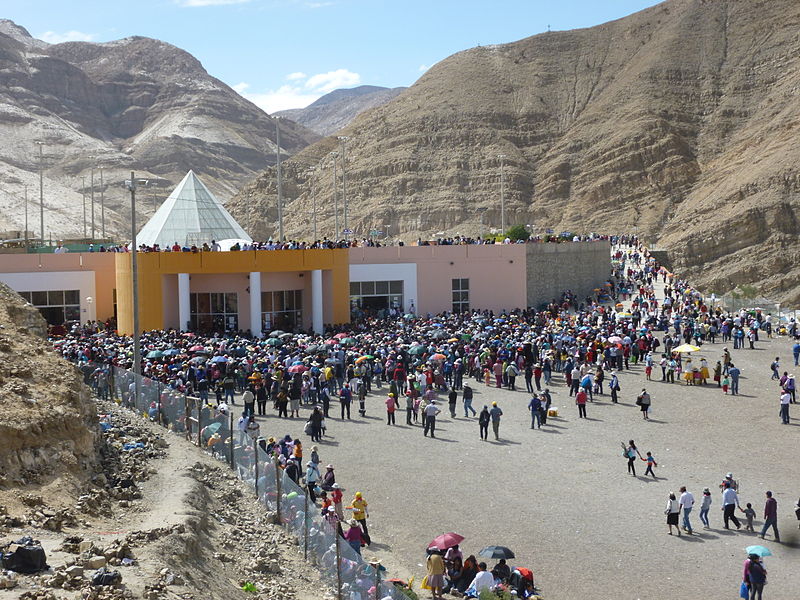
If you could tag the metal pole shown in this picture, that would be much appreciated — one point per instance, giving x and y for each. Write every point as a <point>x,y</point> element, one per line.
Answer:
<point>335,199</point>
<point>377,567</point>
<point>230,437</point>
<point>102,206</point>
<point>199,424</point>
<point>313,205</point>
<point>83,196</point>
<point>338,569</point>
<point>137,350</point>
<point>502,193</point>
<point>255,460</point>
<point>343,139</point>
<point>280,187</point>
<point>41,190</point>
<point>305,527</point>
<point>26,217</point>
<point>91,194</point>
<point>278,489</point>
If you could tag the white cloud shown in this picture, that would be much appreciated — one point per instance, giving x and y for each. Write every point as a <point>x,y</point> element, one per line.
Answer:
<point>299,93</point>
<point>318,4</point>
<point>53,37</point>
<point>423,68</point>
<point>333,80</point>
<point>195,3</point>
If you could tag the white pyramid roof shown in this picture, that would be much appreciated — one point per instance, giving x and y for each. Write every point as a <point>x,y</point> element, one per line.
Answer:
<point>190,215</point>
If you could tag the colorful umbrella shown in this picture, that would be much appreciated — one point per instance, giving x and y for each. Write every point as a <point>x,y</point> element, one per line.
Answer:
<point>340,336</point>
<point>197,348</point>
<point>438,356</point>
<point>273,341</point>
<point>685,349</point>
<point>758,551</point>
<point>446,540</point>
<point>298,369</point>
<point>348,341</point>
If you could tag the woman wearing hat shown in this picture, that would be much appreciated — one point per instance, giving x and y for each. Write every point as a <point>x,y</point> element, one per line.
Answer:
<point>354,536</point>
<point>704,507</point>
<point>672,511</point>
<point>360,514</point>
<point>391,407</point>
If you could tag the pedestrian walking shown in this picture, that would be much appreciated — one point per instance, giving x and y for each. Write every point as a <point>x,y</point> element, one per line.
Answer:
<point>687,503</point>
<point>466,396</point>
<point>496,413</point>
<point>755,576</point>
<point>651,463</point>
<point>705,505</point>
<point>483,422</point>
<point>613,384</point>
<point>452,398</point>
<point>644,401</point>
<point>631,452</point>
<point>535,406</point>
<point>770,517</point>
<point>730,502</point>
<point>580,401</point>
<point>360,514</point>
<point>786,398</point>
<point>673,510</point>
<point>430,413</point>
<point>391,407</point>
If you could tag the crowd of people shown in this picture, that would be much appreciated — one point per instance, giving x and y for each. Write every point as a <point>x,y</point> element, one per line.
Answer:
<point>425,364</point>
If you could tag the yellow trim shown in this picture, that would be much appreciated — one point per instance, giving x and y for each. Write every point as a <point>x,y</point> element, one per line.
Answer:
<point>153,265</point>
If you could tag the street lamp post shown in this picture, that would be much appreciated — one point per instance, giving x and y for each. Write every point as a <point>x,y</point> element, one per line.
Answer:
<point>137,351</point>
<point>386,231</point>
<point>313,203</point>
<point>481,210</point>
<point>26,218</point>
<point>83,196</point>
<point>91,195</point>
<point>102,206</point>
<point>335,198</point>
<point>41,188</point>
<point>502,158</point>
<point>280,187</point>
<point>343,139</point>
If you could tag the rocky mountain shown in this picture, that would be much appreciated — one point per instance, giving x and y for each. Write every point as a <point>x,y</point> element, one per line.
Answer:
<point>134,104</point>
<point>679,122</point>
<point>335,110</point>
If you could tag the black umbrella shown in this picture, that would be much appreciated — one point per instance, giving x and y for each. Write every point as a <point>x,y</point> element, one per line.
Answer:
<point>496,552</point>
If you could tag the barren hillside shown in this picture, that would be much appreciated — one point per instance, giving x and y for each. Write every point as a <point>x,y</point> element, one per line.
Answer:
<point>678,122</point>
<point>133,104</point>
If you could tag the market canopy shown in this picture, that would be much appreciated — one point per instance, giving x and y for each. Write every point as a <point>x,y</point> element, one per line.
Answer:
<point>190,215</point>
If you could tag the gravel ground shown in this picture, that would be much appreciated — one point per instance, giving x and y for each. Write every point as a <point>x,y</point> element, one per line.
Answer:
<point>560,497</point>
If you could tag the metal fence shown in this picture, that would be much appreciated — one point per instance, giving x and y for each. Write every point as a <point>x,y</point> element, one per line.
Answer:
<point>342,566</point>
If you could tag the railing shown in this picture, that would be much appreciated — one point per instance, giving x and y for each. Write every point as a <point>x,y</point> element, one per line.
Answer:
<point>347,573</point>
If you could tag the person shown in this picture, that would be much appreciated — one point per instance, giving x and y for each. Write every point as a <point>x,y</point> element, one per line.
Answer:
<point>705,505</point>
<point>354,536</point>
<point>734,373</point>
<point>328,479</point>
<point>360,514</point>
<point>651,462</point>
<point>336,499</point>
<point>631,452</point>
<point>452,398</point>
<point>483,581</point>
<point>786,398</point>
<point>775,366</point>
<point>672,511</point>
<point>770,517</point>
<point>466,396</point>
<point>644,400</point>
<point>501,571</point>
<point>312,477</point>
<point>749,515</point>
<point>430,419</point>
<point>435,573</point>
<point>614,386</point>
<point>391,406</point>
<point>483,422</point>
<point>730,501</point>
<point>730,481</point>
<point>496,413</point>
<point>535,406</point>
<point>580,401</point>
<point>345,398</point>
<point>687,503</point>
<point>755,576</point>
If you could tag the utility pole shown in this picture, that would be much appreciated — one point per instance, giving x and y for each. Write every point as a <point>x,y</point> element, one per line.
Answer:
<point>102,207</point>
<point>335,198</point>
<point>41,189</point>
<point>26,218</point>
<point>502,158</point>
<point>280,188</point>
<point>313,204</point>
<point>343,139</point>
<point>91,194</point>
<point>137,351</point>
<point>83,195</point>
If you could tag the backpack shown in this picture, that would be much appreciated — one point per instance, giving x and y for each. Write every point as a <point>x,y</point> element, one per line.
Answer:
<point>28,558</point>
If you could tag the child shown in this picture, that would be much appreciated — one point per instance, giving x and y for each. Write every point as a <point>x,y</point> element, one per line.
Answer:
<point>648,371</point>
<point>651,462</point>
<point>726,381</point>
<point>749,514</point>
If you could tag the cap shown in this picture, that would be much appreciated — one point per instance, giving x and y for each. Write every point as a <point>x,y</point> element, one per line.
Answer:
<point>729,475</point>
<point>358,494</point>
<point>494,403</point>
<point>329,467</point>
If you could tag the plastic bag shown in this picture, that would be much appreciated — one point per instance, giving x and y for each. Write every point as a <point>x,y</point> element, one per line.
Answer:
<point>424,584</point>
<point>744,591</point>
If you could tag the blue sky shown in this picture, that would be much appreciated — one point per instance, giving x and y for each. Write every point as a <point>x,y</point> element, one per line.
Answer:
<point>286,53</point>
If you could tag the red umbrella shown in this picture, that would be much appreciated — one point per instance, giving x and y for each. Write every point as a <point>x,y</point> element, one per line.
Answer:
<point>298,369</point>
<point>446,540</point>
<point>526,573</point>
<point>339,336</point>
<point>196,348</point>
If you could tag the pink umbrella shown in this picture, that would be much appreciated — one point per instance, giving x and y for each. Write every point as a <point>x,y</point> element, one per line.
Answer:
<point>197,348</point>
<point>298,369</point>
<point>340,336</point>
<point>446,540</point>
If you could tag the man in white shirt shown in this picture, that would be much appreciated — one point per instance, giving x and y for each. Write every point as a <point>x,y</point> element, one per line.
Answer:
<point>730,501</point>
<point>687,503</point>
<point>786,398</point>
<point>484,580</point>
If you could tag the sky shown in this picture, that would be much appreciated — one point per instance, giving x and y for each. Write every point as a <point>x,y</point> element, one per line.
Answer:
<point>284,54</point>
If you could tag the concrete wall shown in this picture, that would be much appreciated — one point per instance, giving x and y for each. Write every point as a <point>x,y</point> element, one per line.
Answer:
<point>554,268</point>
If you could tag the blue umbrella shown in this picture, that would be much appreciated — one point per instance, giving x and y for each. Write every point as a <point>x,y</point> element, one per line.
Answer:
<point>171,352</point>
<point>758,551</point>
<point>219,359</point>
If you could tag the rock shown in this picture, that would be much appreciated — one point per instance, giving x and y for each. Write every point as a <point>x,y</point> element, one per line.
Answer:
<point>85,546</point>
<point>7,581</point>
<point>95,562</point>
<point>74,571</point>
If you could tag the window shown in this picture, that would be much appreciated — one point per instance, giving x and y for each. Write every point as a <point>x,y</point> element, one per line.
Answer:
<point>214,311</point>
<point>460,290</point>
<point>282,309</point>
<point>375,296</point>
<point>57,306</point>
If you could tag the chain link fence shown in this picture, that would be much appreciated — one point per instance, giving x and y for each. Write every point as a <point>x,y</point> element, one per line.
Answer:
<point>347,573</point>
